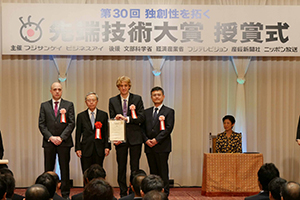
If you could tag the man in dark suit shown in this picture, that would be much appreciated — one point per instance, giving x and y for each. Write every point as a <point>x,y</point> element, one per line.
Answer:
<point>158,126</point>
<point>56,123</point>
<point>129,107</point>
<point>265,174</point>
<point>91,145</point>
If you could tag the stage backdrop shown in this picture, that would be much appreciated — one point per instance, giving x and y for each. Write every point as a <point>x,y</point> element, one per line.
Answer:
<point>200,89</point>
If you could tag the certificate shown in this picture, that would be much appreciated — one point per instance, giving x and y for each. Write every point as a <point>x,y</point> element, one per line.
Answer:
<point>116,130</point>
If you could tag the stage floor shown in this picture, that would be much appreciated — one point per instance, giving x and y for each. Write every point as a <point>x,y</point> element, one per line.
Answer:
<point>175,194</point>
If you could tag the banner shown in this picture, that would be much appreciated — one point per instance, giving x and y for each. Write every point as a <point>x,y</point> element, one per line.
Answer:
<point>177,30</point>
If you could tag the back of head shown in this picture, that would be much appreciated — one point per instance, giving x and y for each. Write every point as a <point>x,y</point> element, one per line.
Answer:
<point>155,195</point>
<point>94,171</point>
<point>54,175</point>
<point>3,187</point>
<point>266,173</point>
<point>98,189</point>
<point>275,186</point>
<point>48,181</point>
<point>6,171</point>
<point>10,184</point>
<point>37,192</point>
<point>136,183</point>
<point>152,182</point>
<point>291,191</point>
<point>136,173</point>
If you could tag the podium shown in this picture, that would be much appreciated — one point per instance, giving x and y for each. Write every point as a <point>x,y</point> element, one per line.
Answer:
<point>230,174</point>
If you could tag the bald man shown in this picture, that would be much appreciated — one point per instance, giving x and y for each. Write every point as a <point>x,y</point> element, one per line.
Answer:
<point>56,123</point>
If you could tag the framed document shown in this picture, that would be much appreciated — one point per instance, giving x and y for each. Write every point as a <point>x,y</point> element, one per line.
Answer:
<point>116,130</point>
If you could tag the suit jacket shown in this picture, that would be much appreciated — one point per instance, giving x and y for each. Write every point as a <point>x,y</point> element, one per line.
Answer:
<point>298,130</point>
<point>260,196</point>
<point>150,130</point>
<point>85,134</point>
<point>128,197</point>
<point>17,197</point>
<point>133,129</point>
<point>57,197</point>
<point>50,125</point>
<point>80,197</point>
<point>1,147</point>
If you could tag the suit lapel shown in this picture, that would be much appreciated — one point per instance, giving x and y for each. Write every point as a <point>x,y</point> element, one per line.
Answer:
<point>52,108</point>
<point>87,118</point>
<point>119,105</point>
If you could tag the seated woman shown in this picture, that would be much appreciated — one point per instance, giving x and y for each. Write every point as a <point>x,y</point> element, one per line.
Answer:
<point>229,141</point>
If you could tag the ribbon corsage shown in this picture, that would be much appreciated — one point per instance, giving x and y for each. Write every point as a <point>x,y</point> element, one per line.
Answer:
<point>162,122</point>
<point>98,126</point>
<point>63,115</point>
<point>133,113</point>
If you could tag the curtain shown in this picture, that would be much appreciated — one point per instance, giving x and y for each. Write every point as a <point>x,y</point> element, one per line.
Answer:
<point>200,89</point>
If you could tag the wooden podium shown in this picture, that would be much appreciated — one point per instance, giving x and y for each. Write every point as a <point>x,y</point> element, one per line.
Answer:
<point>230,174</point>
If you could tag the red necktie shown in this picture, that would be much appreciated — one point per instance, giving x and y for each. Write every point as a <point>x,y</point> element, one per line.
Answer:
<point>56,108</point>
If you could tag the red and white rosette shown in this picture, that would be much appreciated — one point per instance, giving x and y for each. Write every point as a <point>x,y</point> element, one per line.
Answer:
<point>98,126</point>
<point>63,115</point>
<point>162,122</point>
<point>133,113</point>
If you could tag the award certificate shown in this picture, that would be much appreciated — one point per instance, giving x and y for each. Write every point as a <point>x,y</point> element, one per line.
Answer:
<point>116,130</point>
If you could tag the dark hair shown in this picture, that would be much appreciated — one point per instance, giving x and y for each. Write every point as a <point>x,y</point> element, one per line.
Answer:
<point>98,189</point>
<point>3,187</point>
<point>275,187</point>
<point>54,175</point>
<point>157,88</point>
<point>37,192</point>
<point>10,184</point>
<point>155,195</point>
<point>266,173</point>
<point>94,171</point>
<point>48,181</point>
<point>136,173</point>
<point>136,183</point>
<point>230,118</point>
<point>6,171</point>
<point>291,191</point>
<point>152,182</point>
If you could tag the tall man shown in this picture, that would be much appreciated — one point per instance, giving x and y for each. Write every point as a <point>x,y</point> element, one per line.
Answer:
<point>129,107</point>
<point>56,123</point>
<point>158,126</point>
<point>91,144</point>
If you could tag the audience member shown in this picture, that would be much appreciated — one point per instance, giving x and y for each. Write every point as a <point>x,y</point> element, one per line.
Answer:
<point>155,195</point>
<point>275,186</point>
<point>98,189</point>
<point>37,192</point>
<point>48,181</point>
<point>266,173</point>
<point>291,191</point>
<point>135,193</point>
<point>3,188</point>
<point>58,184</point>
<point>6,171</point>
<point>152,182</point>
<point>10,185</point>
<point>93,172</point>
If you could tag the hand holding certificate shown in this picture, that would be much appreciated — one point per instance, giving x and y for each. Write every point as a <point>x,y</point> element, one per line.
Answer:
<point>116,130</point>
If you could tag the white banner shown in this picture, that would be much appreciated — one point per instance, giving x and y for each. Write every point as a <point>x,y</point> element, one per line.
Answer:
<point>178,30</point>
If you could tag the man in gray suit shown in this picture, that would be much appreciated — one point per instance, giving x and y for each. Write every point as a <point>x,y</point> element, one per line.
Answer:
<point>56,123</point>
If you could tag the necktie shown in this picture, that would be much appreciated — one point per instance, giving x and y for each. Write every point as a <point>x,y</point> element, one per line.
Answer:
<point>125,108</point>
<point>93,119</point>
<point>56,108</point>
<point>155,115</point>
